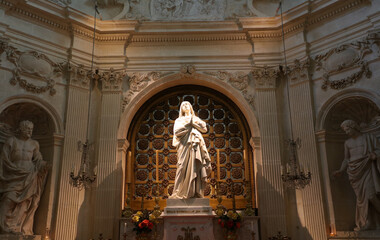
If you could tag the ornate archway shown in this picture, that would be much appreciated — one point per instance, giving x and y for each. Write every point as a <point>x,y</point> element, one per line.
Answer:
<point>151,133</point>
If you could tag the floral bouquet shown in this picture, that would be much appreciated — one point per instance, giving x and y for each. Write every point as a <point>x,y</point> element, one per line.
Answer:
<point>144,222</point>
<point>231,221</point>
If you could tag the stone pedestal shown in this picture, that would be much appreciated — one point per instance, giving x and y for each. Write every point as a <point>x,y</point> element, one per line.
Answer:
<point>362,235</point>
<point>19,237</point>
<point>186,217</point>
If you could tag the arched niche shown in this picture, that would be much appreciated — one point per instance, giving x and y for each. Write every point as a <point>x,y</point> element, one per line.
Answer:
<point>151,130</point>
<point>47,131</point>
<point>364,108</point>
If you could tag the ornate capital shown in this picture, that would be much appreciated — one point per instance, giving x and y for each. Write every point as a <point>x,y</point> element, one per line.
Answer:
<point>112,80</point>
<point>78,75</point>
<point>299,71</point>
<point>265,77</point>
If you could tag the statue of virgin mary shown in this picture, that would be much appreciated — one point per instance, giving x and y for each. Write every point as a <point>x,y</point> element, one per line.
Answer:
<point>193,165</point>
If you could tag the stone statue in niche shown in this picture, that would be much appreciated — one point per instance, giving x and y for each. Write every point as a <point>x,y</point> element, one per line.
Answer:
<point>362,163</point>
<point>193,165</point>
<point>22,179</point>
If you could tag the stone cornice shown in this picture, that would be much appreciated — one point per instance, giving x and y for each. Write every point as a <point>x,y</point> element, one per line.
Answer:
<point>69,19</point>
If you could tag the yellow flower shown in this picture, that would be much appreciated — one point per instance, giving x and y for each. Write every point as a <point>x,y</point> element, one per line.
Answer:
<point>152,217</point>
<point>230,214</point>
<point>139,213</point>
<point>135,218</point>
<point>235,216</point>
<point>219,212</point>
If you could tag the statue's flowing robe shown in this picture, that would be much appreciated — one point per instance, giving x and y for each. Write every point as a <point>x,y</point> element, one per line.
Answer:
<point>20,190</point>
<point>364,176</point>
<point>193,158</point>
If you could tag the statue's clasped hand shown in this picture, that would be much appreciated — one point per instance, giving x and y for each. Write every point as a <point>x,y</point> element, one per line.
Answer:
<point>372,156</point>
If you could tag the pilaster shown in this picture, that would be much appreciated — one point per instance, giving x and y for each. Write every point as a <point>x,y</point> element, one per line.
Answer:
<point>109,165</point>
<point>75,130</point>
<point>270,188</point>
<point>303,127</point>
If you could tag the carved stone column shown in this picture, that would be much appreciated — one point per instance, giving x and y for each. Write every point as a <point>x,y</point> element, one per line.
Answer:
<point>75,130</point>
<point>109,165</point>
<point>301,104</point>
<point>269,184</point>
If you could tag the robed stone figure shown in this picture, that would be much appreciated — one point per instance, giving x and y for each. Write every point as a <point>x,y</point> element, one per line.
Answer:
<point>362,163</point>
<point>22,179</point>
<point>193,165</point>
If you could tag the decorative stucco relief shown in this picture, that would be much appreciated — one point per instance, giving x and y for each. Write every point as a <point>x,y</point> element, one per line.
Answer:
<point>78,75</point>
<point>112,80</point>
<point>182,10</point>
<point>137,82</point>
<point>239,80</point>
<point>31,64</point>
<point>351,55</point>
<point>265,76</point>
<point>299,71</point>
<point>61,2</point>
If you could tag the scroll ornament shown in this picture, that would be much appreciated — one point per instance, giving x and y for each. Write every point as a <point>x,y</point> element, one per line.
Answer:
<point>32,64</point>
<point>351,55</point>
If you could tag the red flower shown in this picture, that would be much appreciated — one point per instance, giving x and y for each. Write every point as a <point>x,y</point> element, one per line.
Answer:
<point>230,224</point>
<point>238,225</point>
<point>144,223</point>
<point>150,225</point>
<point>222,224</point>
<point>220,221</point>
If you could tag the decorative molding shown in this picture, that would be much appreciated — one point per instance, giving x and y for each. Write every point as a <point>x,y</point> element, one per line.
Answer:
<point>344,57</point>
<point>137,82</point>
<point>187,70</point>
<point>112,80</point>
<point>239,80</point>
<point>31,64</point>
<point>63,3</point>
<point>188,10</point>
<point>299,71</point>
<point>188,37</point>
<point>78,75</point>
<point>265,77</point>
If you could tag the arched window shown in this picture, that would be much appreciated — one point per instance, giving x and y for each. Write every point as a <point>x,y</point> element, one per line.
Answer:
<point>151,135</point>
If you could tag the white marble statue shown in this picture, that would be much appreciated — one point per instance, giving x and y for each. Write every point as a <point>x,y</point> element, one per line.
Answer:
<point>362,162</point>
<point>193,164</point>
<point>22,179</point>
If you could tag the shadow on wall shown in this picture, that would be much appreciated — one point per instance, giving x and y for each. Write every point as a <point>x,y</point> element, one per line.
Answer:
<point>100,209</point>
<point>270,214</point>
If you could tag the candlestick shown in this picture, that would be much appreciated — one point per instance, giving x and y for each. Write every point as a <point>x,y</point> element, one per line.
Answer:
<point>246,167</point>
<point>125,227</point>
<point>129,166</point>
<point>157,167</point>
<point>218,163</point>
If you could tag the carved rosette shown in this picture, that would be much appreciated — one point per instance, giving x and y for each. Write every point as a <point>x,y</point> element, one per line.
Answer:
<point>265,77</point>
<point>112,80</point>
<point>351,55</point>
<point>31,64</point>
<point>187,70</point>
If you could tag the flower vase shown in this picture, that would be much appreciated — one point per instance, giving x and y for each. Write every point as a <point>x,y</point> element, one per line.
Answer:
<point>231,235</point>
<point>143,236</point>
